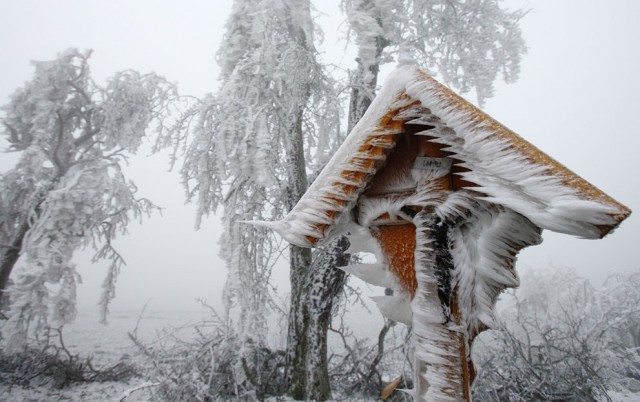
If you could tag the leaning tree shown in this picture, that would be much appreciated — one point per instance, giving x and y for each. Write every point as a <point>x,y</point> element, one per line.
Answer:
<point>68,190</point>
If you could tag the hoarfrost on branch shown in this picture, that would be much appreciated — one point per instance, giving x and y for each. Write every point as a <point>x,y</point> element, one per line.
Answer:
<point>68,190</point>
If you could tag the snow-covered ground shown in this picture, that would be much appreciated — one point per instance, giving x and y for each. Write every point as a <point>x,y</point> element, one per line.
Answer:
<point>109,344</point>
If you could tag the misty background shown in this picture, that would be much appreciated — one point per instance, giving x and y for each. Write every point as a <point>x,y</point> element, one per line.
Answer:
<point>577,100</point>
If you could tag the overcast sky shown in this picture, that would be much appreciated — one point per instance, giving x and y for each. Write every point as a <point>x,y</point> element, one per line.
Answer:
<point>577,99</point>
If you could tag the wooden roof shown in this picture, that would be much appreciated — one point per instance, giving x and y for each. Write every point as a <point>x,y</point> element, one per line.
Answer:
<point>495,163</point>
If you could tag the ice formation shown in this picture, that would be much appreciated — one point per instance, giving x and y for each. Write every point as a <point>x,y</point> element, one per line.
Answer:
<point>445,197</point>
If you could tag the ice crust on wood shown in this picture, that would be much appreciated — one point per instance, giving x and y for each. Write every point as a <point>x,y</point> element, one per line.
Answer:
<point>334,193</point>
<point>484,249</point>
<point>502,167</point>
<point>484,240</point>
<point>437,362</point>
<point>551,198</point>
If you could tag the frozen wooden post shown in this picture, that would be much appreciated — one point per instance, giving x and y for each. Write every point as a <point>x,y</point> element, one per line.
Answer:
<point>445,197</point>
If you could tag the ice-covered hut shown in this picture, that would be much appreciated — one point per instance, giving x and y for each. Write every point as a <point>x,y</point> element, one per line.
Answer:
<point>445,197</point>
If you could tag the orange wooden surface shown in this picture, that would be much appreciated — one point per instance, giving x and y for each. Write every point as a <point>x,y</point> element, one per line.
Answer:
<point>398,242</point>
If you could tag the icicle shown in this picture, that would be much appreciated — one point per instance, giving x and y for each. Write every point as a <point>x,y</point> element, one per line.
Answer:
<point>293,234</point>
<point>483,248</point>
<point>396,308</point>
<point>374,274</point>
<point>360,240</point>
<point>411,113</point>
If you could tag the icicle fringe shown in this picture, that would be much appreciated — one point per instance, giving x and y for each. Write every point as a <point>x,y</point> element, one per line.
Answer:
<point>502,173</point>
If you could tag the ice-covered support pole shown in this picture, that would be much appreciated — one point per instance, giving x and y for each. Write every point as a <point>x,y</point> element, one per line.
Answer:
<point>441,366</point>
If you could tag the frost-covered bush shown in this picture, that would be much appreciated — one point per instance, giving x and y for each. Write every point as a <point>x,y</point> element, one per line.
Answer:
<point>561,339</point>
<point>364,366</point>
<point>212,364</point>
<point>52,365</point>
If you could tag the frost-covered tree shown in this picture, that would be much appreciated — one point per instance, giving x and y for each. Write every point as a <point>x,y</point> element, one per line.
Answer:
<point>67,190</point>
<point>272,122</point>
<point>562,339</point>
<point>465,43</point>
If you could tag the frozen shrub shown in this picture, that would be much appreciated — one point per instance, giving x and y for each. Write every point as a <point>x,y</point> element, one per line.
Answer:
<point>561,339</point>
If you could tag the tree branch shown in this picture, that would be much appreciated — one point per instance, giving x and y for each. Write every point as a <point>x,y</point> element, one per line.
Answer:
<point>55,158</point>
<point>80,90</point>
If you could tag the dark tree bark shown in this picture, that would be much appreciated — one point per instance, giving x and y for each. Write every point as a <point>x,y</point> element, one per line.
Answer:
<point>298,338</point>
<point>305,374</point>
<point>311,313</point>
<point>11,254</point>
<point>316,284</point>
<point>10,257</point>
<point>363,92</point>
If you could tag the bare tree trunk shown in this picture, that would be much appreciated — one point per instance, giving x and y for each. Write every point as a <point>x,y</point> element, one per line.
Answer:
<point>316,283</point>
<point>308,328</point>
<point>298,337</point>
<point>304,372</point>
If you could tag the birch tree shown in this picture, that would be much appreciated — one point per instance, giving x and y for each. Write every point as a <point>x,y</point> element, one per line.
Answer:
<point>68,190</point>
